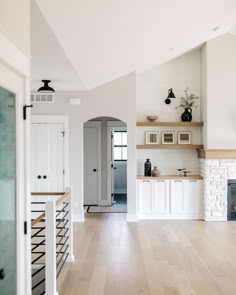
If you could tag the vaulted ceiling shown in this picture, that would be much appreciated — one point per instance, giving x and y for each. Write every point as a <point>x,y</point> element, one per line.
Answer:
<point>81,44</point>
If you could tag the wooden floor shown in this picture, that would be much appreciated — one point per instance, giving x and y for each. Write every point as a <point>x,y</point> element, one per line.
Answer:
<point>152,257</point>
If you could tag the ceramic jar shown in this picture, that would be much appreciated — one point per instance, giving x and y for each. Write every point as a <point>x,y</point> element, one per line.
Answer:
<point>156,172</point>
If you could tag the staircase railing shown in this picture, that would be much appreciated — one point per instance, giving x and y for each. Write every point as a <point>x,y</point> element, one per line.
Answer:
<point>51,239</point>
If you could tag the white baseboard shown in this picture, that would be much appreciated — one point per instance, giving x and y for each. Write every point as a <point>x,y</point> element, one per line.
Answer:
<point>131,218</point>
<point>215,218</point>
<point>169,216</point>
<point>78,217</point>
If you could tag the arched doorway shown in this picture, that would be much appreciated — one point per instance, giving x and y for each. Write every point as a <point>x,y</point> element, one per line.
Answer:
<point>105,165</point>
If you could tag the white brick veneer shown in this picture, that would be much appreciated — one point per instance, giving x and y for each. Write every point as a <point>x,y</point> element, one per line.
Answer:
<point>215,174</point>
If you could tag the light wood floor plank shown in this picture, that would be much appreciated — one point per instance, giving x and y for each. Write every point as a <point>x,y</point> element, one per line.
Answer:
<point>152,257</point>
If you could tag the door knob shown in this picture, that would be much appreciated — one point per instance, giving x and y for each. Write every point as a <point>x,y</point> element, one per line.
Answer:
<point>2,274</point>
<point>94,170</point>
<point>45,176</point>
<point>39,176</point>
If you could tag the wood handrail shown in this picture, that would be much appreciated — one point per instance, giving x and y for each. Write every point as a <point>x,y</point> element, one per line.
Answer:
<point>38,219</point>
<point>62,198</point>
<point>58,202</point>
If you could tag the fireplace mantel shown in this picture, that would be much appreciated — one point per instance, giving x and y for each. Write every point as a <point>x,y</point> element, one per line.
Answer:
<point>216,154</point>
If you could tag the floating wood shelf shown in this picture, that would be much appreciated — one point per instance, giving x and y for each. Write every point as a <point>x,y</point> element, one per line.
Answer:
<point>178,124</point>
<point>170,146</point>
<point>217,154</point>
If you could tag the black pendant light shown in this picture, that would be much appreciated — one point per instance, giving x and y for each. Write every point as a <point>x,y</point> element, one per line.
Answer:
<point>46,87</point>
<point>170,95</point>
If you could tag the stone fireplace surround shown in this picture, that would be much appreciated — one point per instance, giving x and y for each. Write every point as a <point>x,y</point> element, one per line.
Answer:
<point>216,168</point>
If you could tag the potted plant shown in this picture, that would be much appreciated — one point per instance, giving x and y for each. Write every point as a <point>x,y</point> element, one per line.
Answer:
<point>187,102</point>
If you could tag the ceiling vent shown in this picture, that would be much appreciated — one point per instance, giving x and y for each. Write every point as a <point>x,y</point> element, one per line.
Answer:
<point>42,97</point>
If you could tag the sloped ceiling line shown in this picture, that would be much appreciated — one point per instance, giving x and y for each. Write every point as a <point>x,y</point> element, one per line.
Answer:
<point>107,39</point>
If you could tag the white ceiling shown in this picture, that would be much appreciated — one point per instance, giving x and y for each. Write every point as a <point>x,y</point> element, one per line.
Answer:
<point>49,60</point>
<point>107,39</point>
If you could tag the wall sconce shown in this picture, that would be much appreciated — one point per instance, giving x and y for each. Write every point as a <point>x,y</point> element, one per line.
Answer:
<point>170,95</point>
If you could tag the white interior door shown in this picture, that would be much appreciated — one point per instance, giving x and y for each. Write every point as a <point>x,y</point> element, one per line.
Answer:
<point>47,150</point>
<point>91,165</point>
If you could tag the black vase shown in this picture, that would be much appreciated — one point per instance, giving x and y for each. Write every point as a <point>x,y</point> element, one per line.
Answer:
<point>187,115</point>
<point>147,168</point>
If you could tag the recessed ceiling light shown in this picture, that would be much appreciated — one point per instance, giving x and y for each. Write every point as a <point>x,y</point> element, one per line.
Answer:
<point>216,28</point>
<point>172,48</point>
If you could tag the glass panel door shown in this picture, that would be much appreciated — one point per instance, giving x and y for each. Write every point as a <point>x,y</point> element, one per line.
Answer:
<point>7,193</point>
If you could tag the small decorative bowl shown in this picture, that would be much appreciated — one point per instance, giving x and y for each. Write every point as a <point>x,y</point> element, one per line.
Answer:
<point>152,118</point>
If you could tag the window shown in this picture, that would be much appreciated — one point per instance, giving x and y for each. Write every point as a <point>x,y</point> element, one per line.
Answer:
<point>120,145</point>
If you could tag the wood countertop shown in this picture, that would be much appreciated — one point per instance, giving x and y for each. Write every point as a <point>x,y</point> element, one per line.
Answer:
<point>141,177</point>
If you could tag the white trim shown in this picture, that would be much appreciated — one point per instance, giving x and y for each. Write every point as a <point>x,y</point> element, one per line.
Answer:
<point>21,204</point>
<point>71,257</point>
<point>13,58</point>
<point>109,169</point>
<point>214,218</point>
<point>27,197</point>
<point>50,248</point>
<point>131,218</point>
<point>77,217</point>
<point>169,216</point>
<point>57,119</point>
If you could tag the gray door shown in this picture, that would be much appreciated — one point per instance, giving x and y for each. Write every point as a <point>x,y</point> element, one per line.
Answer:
<point>7,193</point>
<point>91,166</point>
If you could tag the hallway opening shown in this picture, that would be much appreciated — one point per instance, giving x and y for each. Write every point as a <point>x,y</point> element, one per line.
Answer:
<point>105,165</point>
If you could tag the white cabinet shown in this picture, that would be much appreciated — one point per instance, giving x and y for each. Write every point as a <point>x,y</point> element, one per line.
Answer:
<point>153,196</point>
<point>169,199</point>
<point>193,201</point>
<point>177,191</point>
<point>144,196</point>
<point>160,196</point>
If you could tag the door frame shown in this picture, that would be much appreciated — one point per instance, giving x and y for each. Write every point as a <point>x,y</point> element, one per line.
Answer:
<point>16,64</point>
<point>58,119</point>
<point>110,126</point>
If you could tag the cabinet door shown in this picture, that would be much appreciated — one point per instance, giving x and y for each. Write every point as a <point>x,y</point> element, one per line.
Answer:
<point>177,196</point>
<point>160,196</point>
<point>144,196</point>
<point>193,197</point>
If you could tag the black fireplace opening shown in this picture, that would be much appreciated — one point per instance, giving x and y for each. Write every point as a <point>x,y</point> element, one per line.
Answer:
<point>232,199</point>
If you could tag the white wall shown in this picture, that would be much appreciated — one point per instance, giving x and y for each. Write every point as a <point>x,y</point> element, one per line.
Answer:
<point>221,97</point>
<point>15,23</point>
<point>204,81</point>
<point>153,85</point>
<point>115,99</point>
<point>152,89</point>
